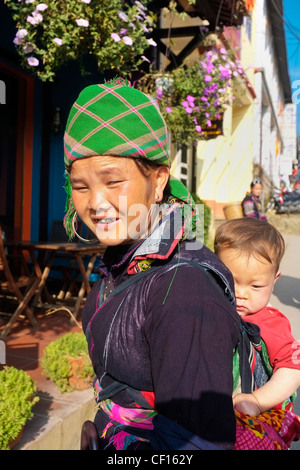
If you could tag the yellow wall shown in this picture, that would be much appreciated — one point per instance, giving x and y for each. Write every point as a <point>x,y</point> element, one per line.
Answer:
<point>225,164</point>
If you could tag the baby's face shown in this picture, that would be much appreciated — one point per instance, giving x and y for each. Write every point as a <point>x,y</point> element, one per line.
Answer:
<point>254,280</point>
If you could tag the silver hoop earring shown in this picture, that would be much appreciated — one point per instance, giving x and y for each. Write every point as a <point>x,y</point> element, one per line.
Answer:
<point>85,240</point>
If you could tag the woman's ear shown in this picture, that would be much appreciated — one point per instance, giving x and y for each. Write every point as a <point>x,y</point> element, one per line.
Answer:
<point>162,178</point>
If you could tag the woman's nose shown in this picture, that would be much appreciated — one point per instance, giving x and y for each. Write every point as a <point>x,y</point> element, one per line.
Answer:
<point>97,201</point>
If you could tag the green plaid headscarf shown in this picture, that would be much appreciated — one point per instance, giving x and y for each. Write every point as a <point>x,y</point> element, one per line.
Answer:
<point>116,119</point>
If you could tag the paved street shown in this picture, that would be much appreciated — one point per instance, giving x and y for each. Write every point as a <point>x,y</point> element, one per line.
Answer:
<point>286,295</point>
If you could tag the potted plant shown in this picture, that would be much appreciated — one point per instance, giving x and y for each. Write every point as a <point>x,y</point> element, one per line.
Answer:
<point>48,34</point>
<point>17,398</point>
<point>66,362</point>
<point>192,97</point>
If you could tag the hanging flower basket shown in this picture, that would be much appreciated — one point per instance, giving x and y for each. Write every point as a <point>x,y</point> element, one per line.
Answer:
<point>192,97</point>
<point>53,32</point>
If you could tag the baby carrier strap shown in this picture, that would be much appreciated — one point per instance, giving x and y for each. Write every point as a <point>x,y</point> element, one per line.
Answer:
<point>213,275</point>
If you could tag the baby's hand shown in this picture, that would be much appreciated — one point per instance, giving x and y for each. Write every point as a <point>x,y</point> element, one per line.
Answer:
<point>246,403</point>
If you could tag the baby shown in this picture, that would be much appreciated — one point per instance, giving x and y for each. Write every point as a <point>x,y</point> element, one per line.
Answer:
<point>252,250</point>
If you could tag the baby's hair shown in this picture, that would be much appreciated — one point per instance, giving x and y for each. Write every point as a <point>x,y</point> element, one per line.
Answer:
<point>253,237</point>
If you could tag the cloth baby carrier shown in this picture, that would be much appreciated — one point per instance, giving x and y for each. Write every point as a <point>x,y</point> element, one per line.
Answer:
<point>248,368</point>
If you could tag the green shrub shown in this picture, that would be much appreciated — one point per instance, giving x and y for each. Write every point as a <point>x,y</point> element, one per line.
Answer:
<point>17,397</point>
<point>55,361</point>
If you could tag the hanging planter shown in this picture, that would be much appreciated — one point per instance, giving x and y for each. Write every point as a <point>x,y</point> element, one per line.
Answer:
<point>193,98</point>
<point>50,33</point>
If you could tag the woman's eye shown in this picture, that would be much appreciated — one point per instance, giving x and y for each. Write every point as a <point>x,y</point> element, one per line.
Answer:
<point>79,188</point>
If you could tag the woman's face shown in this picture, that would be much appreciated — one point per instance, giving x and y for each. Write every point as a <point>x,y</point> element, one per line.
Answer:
<point>114,198</point>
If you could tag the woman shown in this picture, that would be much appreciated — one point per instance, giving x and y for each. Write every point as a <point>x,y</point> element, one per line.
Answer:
<point>160,330</point>
<point>251,203</point>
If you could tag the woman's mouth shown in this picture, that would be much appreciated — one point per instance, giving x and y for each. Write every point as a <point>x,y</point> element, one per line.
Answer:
<point>105,223</point>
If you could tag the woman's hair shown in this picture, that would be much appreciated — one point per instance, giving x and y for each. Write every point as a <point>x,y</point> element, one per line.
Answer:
<point>145,167</point>
<point>252,237</point>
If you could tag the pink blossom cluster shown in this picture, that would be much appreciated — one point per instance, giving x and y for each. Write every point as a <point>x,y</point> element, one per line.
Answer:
<point>217,70</point>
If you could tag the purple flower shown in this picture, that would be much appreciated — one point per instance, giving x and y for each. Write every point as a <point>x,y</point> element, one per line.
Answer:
<point>225,73</point>
<point>33,61</point>
<point>21,33</point>
<point>27,48</point>
<point>168,110</point>
<point>123,15</point>
<point>123,31</point>
<point>198,128</point>
<point>145,58</point>
<point>207,78</point>
<point>17,41</point>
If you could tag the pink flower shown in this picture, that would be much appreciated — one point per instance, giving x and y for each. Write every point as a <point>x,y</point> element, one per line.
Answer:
<point>41,7</point>
<point>115,37</point>
<point>198,128</point>
<point>127,40</point>
<point>207,78</point>
<point>58,41</point>
<point>82,22</point>
<point>190,99</point>
<point>21,33</point>
<point>151,42</point>
<point>168,110</point>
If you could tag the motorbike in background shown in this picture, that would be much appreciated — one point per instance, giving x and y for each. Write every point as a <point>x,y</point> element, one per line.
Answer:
<point>284,202</point>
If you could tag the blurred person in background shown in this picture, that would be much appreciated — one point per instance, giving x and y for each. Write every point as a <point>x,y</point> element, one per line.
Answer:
<point>251,204</point>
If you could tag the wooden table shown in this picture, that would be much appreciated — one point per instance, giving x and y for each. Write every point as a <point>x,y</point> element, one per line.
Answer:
<point>76,251</point>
